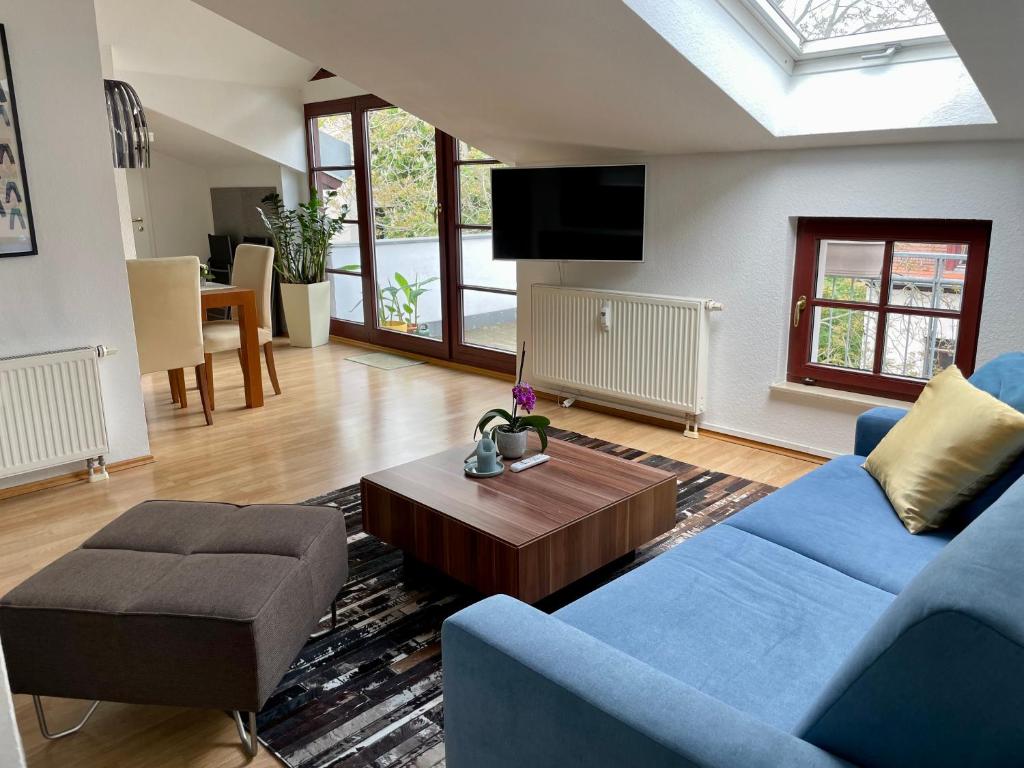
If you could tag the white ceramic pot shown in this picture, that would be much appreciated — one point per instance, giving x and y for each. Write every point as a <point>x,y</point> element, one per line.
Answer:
<point>511,445</point>
<point>307,311</point>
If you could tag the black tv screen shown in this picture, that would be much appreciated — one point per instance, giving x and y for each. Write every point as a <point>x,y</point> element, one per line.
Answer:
<point>584,213</point>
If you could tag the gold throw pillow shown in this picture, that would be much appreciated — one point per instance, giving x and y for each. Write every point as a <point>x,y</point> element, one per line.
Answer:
<point>954,441</point>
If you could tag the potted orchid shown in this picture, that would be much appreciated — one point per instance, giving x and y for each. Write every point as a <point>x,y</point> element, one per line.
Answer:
<point>510,437</point>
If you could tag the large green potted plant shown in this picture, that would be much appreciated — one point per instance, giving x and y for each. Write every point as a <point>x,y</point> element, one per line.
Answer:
<point>302,238</point>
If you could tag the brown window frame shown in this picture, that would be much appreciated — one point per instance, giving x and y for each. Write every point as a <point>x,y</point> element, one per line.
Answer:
<point>451,347</point>
<point>810,233</point>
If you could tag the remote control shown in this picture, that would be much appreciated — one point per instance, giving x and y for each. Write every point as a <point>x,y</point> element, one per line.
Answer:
<point>533,461</point>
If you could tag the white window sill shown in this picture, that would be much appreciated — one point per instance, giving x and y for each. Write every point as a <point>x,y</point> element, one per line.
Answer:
<point>835,395</point>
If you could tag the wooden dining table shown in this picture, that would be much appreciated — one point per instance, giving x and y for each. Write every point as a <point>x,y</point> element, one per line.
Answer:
<point>217,296</point>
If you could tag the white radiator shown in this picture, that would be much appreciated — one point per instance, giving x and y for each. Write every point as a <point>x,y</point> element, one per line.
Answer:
<point>644,352</point>
<point>51,410</point>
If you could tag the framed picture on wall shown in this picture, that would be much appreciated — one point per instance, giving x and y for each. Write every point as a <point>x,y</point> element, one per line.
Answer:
<point>17,232</point>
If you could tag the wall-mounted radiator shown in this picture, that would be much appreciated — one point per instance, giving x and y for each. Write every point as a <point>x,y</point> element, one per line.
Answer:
<point>642,352</point>
<point>51,410</point>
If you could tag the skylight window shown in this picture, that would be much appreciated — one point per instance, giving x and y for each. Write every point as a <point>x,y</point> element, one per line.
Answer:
<point>823,27</point>
<point>827,19</point>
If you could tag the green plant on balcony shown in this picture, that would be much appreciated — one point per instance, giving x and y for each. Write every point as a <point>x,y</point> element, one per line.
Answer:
<point>398,301</point>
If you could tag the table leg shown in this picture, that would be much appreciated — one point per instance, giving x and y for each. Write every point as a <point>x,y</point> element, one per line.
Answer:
<point>247,326</point>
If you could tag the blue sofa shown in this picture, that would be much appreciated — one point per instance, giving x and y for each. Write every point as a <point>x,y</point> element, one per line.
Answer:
<point>810,629</point>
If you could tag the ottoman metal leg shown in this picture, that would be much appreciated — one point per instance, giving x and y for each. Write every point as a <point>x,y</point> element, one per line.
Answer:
<point>45,729</point>
<point>250,743</point>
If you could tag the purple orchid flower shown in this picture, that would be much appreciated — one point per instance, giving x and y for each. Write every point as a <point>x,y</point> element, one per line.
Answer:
<point>524,397</point>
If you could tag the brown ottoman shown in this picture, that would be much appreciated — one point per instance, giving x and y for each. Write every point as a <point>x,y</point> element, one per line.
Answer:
<point>190,604</point>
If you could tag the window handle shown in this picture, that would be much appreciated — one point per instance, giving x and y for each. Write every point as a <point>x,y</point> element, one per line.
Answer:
<point>801,303</point>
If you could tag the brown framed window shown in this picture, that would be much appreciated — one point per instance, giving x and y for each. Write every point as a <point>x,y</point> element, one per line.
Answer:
<point>881,305</point>
<point>483,291</point>
<point>412,269</point>
<point>334,143</point>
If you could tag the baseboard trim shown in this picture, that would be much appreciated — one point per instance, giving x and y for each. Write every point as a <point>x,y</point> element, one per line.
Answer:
<point>781,447</point>
<point>81,476</point>
<point>425,358</point>
<point>793,451</point>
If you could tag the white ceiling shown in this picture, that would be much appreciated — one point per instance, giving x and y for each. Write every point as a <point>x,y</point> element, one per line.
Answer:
<point>536,80</point>
<point>988,35</point>
<point>187,143</point>
<point>178,37</point>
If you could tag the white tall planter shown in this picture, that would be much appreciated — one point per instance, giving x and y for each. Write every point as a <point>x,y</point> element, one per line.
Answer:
<point>307,310</point>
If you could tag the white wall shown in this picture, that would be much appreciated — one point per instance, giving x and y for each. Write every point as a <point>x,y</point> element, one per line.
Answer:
<point>124,212</point>
<point>11,755</point>
<point>180,211</point>
<point>75,291</point>
<point>722,226</point>
<point>255,175</point>
<point>10,741</point>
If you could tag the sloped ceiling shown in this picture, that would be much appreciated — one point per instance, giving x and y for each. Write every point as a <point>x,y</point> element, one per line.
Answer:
<point>536,80</point>
<point>188,143</point>
<point>178,37</point>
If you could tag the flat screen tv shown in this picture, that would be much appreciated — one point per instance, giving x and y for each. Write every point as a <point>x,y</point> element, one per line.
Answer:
<point>579,213</point>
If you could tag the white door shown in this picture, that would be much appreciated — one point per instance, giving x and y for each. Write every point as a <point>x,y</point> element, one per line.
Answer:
<point>138,200</point>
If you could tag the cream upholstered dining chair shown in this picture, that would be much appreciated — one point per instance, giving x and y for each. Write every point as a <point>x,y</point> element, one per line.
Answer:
<point>253,268</point>
<point>168,325</point>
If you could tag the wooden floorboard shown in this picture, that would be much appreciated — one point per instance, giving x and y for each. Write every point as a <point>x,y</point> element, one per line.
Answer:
<point>335,421</point>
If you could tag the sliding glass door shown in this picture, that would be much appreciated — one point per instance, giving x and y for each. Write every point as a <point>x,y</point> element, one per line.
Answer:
<point>412,268</point>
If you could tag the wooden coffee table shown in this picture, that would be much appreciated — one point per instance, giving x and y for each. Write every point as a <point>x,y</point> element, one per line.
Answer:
<point>527,534</point>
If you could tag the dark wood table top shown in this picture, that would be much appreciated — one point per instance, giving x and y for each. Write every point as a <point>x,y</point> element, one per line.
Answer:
<point>518,508</point>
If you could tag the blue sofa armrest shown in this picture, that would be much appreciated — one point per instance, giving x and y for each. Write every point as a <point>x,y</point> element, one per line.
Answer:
<point>523,688</point>
<point>872,426</point>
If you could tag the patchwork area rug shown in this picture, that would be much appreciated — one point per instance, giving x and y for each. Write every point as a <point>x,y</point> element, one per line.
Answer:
<point>368,693</point>
<point>384,360</point>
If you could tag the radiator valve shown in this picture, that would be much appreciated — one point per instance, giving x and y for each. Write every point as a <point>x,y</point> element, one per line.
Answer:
<point>97,469</point>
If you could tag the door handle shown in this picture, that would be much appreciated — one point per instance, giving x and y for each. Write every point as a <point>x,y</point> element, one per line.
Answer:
<point>139,221</point>
<point>798,308</point>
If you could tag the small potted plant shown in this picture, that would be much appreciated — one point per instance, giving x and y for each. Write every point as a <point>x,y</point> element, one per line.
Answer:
<point>398,312</point>
<point>302,238</point>
<point>510,437</point>
<point>411,293</point>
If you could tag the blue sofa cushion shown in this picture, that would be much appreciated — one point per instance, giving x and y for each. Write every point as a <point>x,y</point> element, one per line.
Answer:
<point>839,515</point>
<point>737,617</point>
<point>939,680</point>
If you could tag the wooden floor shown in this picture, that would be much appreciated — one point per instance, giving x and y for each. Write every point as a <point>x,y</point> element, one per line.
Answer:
<point>335,421</point>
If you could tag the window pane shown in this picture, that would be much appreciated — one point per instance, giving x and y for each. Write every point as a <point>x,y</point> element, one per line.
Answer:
<point>408,298</point>
<point>919,347</point>
<point>344,182</point>
<point>346,297</point>
<point>928,275</point>
<point>467,152</point>
<point>479,266</point>
<point>489,320</point>
<point>334,136</point>
<point>344,250</point>
<point>475,194</point>
<point>850,270</point>
<point>403,175</point>
<point>844,338</point>
<point>825,19</point>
